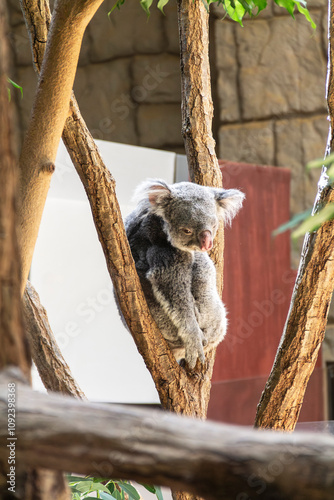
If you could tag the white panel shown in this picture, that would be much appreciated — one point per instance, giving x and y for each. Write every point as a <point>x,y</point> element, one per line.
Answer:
<point>70,274</point>
<point>181,169</point>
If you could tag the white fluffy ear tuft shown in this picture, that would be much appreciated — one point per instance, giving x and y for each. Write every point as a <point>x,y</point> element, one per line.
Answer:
<point>229,202</point>
<point>153,190</point>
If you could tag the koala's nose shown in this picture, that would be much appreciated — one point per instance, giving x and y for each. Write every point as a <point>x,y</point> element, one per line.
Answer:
<point>205,241</point>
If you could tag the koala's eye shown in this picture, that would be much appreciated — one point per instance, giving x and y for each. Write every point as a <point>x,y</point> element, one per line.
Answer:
<point>187,231</point>
<point>214,223</point>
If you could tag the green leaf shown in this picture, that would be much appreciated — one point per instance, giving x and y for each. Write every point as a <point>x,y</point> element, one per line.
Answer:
<point>158,493</point>
<point>320,162</point>
<point>117,494</point>
<point>117,5</point>
<point>240,10</point>
<point>146,4</point>
<point>16,86</point>
<point>75,491</point>
<point>293,222</point>
<point>111,486</point>
<point>307,15</point>
<point>84,486</point>
<point>110,497</point>
<point>236,14</point>
<point>289,5</point>
<point>326,162</point>
<point>161,4</point>
<point>330,172</point>
<point>313,222</point>
<point>77,479</point>
<point>130,490</point>
<point>100,479</point>
<point>107,496</point>
<point>247,5</point>
<point>99,487</point>
<point>148,487</point>
<point>261,5</point>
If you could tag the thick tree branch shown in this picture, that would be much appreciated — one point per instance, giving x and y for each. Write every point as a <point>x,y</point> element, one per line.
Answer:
<point>216,461</point>
<point>197,107</point>
<point>52,368</point>
<point>48,117</point>
<point>304,330</point>
<point>13,345</point>
<point>197,114</point>
<point>37,17</point>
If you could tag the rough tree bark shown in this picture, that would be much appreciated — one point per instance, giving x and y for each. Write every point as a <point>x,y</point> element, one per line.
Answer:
<point>13,346</point>
<point>197,107</point>
<point>197,115</point>
<point>304,330</point>
<point>214,460</point>
<point>29,483</point>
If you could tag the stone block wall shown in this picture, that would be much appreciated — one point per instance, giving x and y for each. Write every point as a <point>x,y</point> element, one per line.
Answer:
<point>271,85</point>
<point>128,80</point>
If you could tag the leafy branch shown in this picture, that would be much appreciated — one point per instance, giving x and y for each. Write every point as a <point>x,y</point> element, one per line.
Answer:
<point>309,221</point>
<point>83,488</point>
<point>235,9</point>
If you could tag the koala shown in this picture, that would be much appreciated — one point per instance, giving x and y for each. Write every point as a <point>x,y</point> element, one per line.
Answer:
<point>170,232</point>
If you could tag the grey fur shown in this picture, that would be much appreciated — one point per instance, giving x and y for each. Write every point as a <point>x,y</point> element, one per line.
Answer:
<point>169,233</point>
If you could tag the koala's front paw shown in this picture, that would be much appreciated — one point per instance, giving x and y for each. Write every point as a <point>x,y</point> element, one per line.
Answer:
<point>194,350</point>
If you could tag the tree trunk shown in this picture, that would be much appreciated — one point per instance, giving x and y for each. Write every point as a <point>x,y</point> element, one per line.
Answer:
<point>304,330</point>
<point>197,114</point>
<point>213,460</point>
<point>28,484</point>
<point>13,345</point>
<point>197,107</point>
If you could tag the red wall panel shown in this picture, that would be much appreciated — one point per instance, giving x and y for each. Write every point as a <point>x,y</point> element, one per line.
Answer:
<point>258,283</point>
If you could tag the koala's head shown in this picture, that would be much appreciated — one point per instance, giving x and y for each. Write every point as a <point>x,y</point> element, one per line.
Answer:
<point>191,213</point>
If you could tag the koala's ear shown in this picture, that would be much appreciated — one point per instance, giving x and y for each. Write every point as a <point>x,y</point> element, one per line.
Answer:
<point>229,202</point>
<point>153,190</point>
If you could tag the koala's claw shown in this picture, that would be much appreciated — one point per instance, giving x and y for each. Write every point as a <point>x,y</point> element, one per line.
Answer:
<point>192,354</point>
